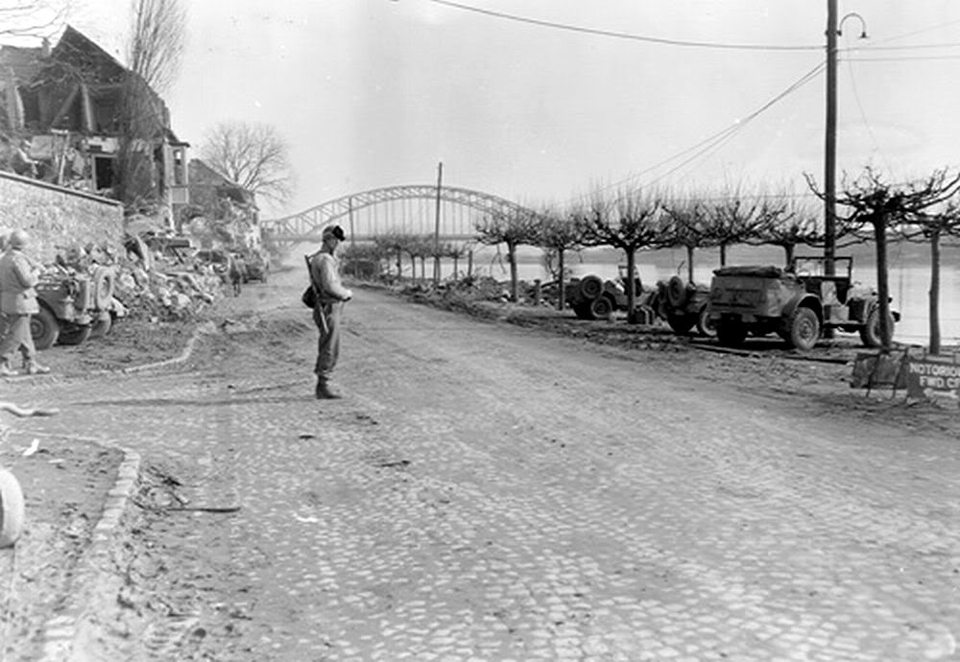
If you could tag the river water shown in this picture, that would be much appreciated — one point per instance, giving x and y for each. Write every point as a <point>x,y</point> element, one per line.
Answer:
<point>908,277</point>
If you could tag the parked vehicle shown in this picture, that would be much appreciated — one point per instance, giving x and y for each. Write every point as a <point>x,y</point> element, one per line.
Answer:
<point>257,266</point>
<point>74,307</point>
<point>683,306</point>
<point>216,258</point>
<point>796,303</point>
<point>592,298</point>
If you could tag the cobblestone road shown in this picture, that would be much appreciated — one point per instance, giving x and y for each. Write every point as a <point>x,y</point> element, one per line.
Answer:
<point>488,493</point>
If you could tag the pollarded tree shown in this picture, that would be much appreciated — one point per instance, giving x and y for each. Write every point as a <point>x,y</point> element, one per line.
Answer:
<point>934,226</point>
<point>789,223</point>
<point>559,233</point>
<point>419,247</point>
<point>885,207</point>
<point>735,218</point>
<point>689,223</point>
<point>455,252</point>
<point>631,221</point>
<point>392,244</point>
<point>516,228</point>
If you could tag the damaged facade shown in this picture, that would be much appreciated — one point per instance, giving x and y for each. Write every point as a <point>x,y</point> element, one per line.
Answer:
<point>61,121</point>
<point>221,206</point>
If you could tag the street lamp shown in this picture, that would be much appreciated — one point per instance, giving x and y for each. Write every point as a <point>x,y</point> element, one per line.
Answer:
<point>830,143</point>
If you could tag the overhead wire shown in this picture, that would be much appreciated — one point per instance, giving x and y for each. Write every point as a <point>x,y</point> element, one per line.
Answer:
<point>717,140</point>
<point>625,35</point>
<point>863,114</point>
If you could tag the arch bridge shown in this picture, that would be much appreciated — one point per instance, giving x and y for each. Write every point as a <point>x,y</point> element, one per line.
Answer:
<point>408,209</point>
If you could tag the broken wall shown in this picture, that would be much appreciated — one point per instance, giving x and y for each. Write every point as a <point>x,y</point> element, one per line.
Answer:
<point>58,218</point>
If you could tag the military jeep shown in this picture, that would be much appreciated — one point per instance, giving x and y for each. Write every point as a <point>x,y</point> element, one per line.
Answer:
<point>73,307</point>
<point>796,303</point>
<point>593,298</point>
<point>683,306</point>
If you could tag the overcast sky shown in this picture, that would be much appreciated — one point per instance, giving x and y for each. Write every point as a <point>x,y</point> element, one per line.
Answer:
<point>372,93</point>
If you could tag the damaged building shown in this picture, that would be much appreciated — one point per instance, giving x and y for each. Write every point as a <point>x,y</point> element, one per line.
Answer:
<point>62,111</point>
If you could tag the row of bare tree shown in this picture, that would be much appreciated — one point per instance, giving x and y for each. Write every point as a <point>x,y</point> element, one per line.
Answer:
<point>871,210</point>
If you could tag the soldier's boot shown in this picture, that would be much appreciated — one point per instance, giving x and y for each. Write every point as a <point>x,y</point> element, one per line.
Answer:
<point>6,370</point>
<point>33,368</point>
<point>323,391</point>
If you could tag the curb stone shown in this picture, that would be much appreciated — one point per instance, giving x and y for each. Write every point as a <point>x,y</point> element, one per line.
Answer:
<point>61,633</point>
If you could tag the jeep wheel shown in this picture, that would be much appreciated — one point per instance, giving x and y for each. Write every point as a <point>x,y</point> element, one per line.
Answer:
<point>705,326</point>
<point>731,334</point>
<point>591,287</point>
<point>681,324</point>
<point>870,332</point>
<point>44,329</point>
<point>804,329</point>
<point>601,308</point>
<point>103,287</point>
<point>75,334</point>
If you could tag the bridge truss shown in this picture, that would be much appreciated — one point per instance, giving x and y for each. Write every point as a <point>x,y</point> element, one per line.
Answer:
<point>408,209</point>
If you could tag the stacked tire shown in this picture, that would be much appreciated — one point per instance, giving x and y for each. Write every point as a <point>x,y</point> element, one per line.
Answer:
<point>592,304</point>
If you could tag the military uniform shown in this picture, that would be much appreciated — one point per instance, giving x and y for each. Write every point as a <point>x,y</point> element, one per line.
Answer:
<point>18,302</point>
<point>331,294</point>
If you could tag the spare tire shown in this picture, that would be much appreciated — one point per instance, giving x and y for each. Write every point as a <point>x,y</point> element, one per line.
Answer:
<point>677,292</point>
<point>103,287</point>
<point>591,287</point>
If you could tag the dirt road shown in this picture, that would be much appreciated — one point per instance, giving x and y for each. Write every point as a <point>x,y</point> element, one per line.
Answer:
<point>487,492</point>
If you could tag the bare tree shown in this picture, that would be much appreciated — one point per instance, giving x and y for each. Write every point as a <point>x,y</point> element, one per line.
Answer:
<point>393,244</point>
<point>513,229</point>
<point>735,218</point>
<point>255,156</point>
<point>689,227</point>
<point>558,234</point>
<point>155,51</point>
<point>788,223</point>
<point>934,226</point>
<point>31,18</point>
<point>631,221</point>
<point>884,207</point>
<point>158,39</point>
<point>455,252</point>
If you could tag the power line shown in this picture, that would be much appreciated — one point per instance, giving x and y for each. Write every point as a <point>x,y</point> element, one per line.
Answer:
<point>863,115</point>
<point>625,35</point>
<point>920,31</point>
<point>718,139</point>
<point>903,59</point>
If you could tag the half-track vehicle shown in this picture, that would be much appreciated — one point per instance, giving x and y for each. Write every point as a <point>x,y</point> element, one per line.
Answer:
<point>593,298</point>
<point>796,303</point>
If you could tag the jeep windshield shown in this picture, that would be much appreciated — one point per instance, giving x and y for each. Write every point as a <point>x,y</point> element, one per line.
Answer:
<point>815,265</point>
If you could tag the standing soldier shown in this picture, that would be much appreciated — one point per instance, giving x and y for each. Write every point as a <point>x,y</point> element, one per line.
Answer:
<point>331,294</point>
<point>18,302</point>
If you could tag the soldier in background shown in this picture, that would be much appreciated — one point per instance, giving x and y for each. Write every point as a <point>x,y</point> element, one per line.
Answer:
<point>18,303</point>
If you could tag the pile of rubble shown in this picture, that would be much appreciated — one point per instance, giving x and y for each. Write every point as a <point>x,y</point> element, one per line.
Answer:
<point>147,283</point>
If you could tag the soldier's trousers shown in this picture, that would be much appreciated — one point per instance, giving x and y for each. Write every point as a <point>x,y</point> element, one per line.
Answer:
<point>327,318</point>
<point>17,336</point>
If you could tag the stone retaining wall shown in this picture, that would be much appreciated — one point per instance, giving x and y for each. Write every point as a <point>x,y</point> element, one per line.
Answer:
<point>57,217</point>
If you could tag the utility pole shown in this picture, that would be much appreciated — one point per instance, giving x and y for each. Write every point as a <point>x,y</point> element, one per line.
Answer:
<point>830,147</point>
<point>436,233</point>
